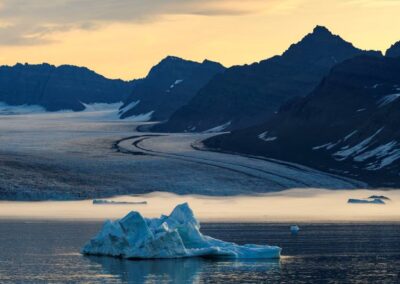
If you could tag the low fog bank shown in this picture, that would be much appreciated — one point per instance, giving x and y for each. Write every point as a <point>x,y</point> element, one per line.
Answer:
<point>296,205</point>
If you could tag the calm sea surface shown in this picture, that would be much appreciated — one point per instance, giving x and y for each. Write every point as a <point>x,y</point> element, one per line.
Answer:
<point>48,252</point>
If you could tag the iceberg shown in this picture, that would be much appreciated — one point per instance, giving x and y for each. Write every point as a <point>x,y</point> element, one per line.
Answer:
<point>366,201</point>
<point>111,202</point>
<point>379,197</point>
<point>294,229</point>
<point>175,236</point>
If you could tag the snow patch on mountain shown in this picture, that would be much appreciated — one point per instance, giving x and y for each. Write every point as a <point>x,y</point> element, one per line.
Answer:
<point>388,99</point>
<point>177,82</point>
<point>331,145</point>
<point>218,128</point>
<point>263,136</point>
<point>129,107</point>
<point>143,117</point>
<point>356,149</point>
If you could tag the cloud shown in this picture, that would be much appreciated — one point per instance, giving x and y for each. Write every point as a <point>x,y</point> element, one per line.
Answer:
<point>28,22</point>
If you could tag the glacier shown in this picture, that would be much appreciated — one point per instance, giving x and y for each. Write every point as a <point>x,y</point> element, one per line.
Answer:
<point>175,236</point>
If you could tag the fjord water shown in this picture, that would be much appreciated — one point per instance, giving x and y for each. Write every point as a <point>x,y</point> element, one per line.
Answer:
<point>48,252</point>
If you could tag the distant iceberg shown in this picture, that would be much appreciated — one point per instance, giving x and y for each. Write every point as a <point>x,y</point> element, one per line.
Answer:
<point>112,202</point>
<point>366,201</point>
<point>379,197</point>
<point>174,236</point>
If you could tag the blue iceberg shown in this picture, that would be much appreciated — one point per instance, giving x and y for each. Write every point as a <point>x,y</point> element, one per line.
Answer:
<point>175,236</point>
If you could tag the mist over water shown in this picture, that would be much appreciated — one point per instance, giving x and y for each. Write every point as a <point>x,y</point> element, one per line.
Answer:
<point>299,205</point>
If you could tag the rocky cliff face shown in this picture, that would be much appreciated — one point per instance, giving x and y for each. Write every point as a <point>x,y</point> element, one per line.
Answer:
<point>58,88</point>
<point>248,95</point>
<point>169,85</point>
<point>348,125</point>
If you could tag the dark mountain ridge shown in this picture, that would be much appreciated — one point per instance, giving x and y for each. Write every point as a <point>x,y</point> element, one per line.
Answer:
<point>394,50</point>
<point>348,125</point>
<point>168,86</point>
<point>58,88</point>
<point>248,95</point>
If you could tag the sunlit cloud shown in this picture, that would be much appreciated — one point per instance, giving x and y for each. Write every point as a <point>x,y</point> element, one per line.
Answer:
<point>374,3</point>
<point>32,22</point>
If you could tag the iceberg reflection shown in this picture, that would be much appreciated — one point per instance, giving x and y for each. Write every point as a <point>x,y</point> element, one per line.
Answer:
<point>187,270</point>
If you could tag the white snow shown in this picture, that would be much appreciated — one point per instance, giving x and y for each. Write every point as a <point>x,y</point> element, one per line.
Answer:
<point>6,109</point>
<point>218,128</point>
<point>388,99</point>
<point>175,236</point>
<point>129,106</point>
<point>177,82</point>
<point>386,161</point>
<point>98,107</point>
<point>330,145</point>
<point>378,152</point>
<point>360,147</point>
<point>263,136</point>
<point>326,146</point>
<point>143,117</point>
<point>102,111</point>
<point>350,135</point>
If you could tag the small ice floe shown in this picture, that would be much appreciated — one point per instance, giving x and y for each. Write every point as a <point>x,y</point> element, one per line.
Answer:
<point>379,197</point>
<point>112,202</point>
<point>366,201</point>
<point>294,229</point>
<point>175,236</point>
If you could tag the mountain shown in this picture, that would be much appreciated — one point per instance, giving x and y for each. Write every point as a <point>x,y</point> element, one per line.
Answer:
<point>394,50</point>
<point>169,85</point>
<point>249,94</point>
<point>58,88</point>
<point>348,125</point>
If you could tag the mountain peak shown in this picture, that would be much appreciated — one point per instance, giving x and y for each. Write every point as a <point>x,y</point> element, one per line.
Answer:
<point>394,50</point>
<point>321,30</point>
<point>171,58</point>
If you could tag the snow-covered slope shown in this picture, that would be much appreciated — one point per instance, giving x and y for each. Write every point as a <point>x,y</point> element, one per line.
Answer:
<point>175,236</point>
<point>348,125</point>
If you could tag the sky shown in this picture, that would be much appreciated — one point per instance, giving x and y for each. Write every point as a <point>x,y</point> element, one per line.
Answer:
<point>125,38</point>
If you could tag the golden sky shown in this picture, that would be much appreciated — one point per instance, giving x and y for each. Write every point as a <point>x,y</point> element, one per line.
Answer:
<point>125,38</point>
